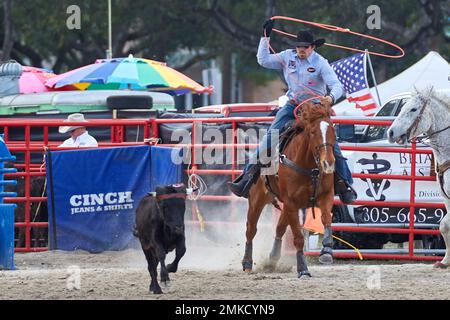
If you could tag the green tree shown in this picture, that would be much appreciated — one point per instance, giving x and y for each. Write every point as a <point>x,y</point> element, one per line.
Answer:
<point>36,31</point>
<point>417,26</point>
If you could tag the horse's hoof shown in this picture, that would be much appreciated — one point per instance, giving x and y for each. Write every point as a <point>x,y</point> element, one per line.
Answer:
<point>271,265</point>
<point>440,265</point>
<point>248,270</point>
<point>304,274</point>
<point>247,265</point>
<point>326,258</point>
<point>274,258</point>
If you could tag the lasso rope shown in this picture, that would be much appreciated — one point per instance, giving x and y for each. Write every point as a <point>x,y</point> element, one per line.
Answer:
<point>351,246</point>
<point>334,29</point>
<point>314,94</point>
<point>343,30</point>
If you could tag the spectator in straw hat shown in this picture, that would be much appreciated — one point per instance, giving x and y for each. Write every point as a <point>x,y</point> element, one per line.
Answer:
<point>79,136</point>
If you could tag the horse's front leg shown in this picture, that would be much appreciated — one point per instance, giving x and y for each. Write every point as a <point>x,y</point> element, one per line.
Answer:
<point>444,227</point>
<point>326,254</point>
<point>275,254</point>
<point>256,202</point>
<point>299,240</point>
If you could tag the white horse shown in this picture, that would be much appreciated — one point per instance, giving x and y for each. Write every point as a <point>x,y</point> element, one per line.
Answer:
<point>428,114</point>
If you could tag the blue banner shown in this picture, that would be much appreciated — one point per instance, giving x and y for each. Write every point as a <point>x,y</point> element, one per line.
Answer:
<point>165,166</point>
<point>93,194</point>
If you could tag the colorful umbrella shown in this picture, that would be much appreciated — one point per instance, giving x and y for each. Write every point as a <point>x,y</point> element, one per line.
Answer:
<point>33,80</point>
<point>128,73</point>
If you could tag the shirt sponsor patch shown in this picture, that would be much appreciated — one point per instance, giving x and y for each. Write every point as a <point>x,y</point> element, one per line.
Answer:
<point>311,69</point>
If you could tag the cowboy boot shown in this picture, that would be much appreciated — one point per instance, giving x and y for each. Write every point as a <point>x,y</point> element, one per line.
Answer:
<point>344,190</point>
<point>242,184</point>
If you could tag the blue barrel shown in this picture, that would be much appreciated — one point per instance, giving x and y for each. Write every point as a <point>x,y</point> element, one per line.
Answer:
<point>7,236</point>
<point>6,211</point>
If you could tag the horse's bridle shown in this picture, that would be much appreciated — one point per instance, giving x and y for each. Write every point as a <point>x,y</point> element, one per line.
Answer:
<point>315,173</point>
<point>316,154</point>
<point>309,172</point>
<point>415,125</point>
<point>441,169</point>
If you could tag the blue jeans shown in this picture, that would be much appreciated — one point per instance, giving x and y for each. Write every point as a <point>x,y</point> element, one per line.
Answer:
<point>284,115</point>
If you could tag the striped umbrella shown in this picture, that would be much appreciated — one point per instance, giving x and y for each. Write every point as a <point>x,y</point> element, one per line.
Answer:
<point>128,73</point>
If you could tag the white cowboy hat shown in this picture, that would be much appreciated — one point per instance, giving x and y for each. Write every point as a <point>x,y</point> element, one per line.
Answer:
<point>75,117</point>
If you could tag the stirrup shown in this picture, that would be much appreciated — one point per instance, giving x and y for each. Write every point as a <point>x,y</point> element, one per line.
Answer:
<point>241,185</point>
<point>347,195</point>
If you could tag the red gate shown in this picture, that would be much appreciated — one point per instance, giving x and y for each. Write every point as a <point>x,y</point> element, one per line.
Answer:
<point>27,146</point>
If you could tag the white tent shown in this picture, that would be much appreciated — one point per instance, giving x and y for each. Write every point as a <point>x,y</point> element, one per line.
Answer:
<point>430,70</point>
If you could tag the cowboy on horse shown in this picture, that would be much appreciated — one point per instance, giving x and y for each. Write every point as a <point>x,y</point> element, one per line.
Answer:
<point>307,73</point>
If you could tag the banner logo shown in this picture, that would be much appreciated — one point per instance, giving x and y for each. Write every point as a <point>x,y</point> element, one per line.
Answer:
<point>101,202</point>
<point>376,186</point>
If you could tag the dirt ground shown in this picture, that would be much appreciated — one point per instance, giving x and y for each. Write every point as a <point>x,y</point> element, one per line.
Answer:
<point>123,275</point>
<point>211,269</point>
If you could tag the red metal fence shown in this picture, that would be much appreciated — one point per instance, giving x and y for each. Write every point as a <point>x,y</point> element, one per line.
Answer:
<point>18,137</point>
<point>150,130</point>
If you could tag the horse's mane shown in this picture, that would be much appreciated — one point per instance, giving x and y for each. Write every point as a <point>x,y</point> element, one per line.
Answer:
<point>312,112</point>
<point>442,98</point>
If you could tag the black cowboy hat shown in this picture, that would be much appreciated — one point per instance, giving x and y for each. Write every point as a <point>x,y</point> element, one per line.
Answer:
<point>306,38</point>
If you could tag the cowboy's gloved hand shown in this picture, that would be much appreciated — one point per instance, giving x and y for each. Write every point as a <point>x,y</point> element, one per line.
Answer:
<point>267,28</point>
<point>326,101</point>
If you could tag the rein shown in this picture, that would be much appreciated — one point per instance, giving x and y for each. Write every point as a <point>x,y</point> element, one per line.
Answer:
<point>420,139</point>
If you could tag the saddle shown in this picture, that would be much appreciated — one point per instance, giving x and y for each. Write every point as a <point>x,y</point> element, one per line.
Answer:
<point>290,130</point>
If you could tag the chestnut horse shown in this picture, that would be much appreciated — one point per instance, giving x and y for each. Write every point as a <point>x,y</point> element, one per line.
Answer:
<point>305,179</point>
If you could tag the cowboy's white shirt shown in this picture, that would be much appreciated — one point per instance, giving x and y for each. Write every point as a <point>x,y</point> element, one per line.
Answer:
<point>84,140</point>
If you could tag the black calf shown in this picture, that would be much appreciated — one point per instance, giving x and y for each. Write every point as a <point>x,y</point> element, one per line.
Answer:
<point>160,229</point>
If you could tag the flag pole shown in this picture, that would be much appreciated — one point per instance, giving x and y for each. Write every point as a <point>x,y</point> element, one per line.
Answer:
<point>373,76</point>
<point>109,52</point>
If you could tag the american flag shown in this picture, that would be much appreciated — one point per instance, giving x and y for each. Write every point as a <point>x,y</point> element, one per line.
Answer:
<point>351,72</point>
